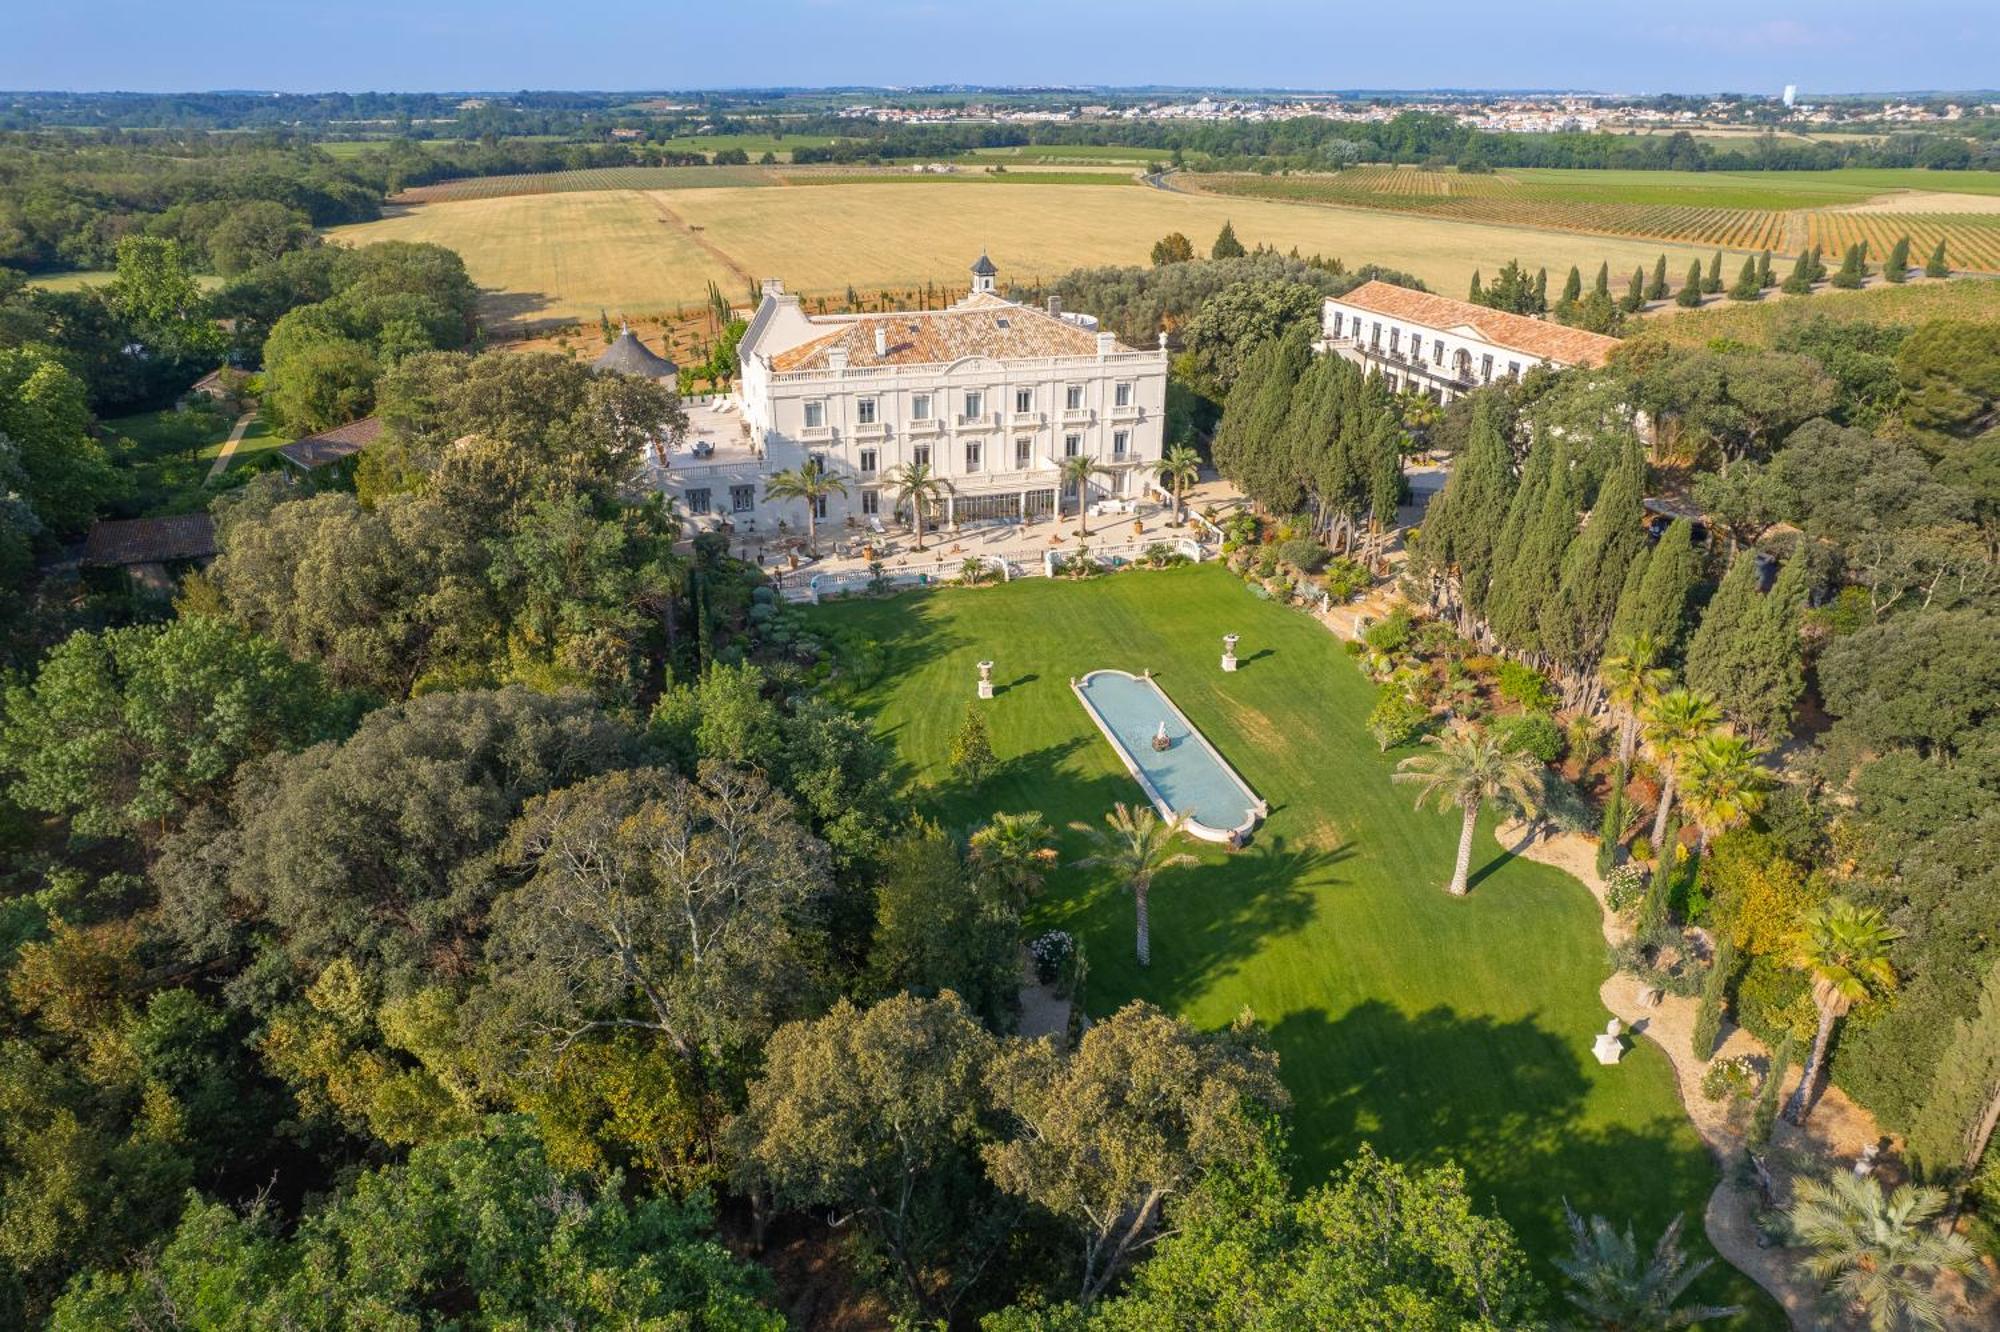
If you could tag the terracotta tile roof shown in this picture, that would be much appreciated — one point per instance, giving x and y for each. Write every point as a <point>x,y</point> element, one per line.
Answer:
<point>1539,338</point>
<point>980,325</point>
<point>181,536</point>
<point>330,446</point>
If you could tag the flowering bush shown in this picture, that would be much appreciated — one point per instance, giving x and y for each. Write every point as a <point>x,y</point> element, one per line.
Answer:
<point>1051,952</point>
<point>1732,1079</point>
<point>1624,887</point>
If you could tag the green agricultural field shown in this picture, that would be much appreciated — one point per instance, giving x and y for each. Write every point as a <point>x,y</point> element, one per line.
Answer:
<point>1758,323</point>
<point>76,281</point>
<point>779,146</point>
<point>1427,1025</point>
<point>1071,152</point>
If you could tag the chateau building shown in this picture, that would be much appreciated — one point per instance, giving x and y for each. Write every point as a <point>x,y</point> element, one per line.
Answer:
<point>1435,345</point>
<point>990,394</point>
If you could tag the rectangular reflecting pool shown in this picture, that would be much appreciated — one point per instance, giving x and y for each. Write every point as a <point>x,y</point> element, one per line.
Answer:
<point>1188,776</point>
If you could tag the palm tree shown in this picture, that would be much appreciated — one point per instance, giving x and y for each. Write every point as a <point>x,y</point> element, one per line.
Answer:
<point>1882,1254</point>
<point>1673,722</point>
<point>811,482</point>
<point>1136,848</point>
<point>1469,767</point>
<point>1017,851</point>
<point>1077,472</point>
<point>1179,468</point>
<point>1724,784</point>
<point>1633,679</point>
<point>1617,1291</point>
<point>916,485</point>
<point>1845,948</point>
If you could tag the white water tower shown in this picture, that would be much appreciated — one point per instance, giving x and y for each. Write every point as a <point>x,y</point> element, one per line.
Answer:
<point>1791,95</point>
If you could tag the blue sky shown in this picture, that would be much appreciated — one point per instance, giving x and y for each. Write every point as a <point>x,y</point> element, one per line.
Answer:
<point>1613,45</point>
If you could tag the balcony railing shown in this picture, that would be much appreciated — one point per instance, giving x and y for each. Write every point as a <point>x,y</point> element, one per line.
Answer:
<point>981,421</point>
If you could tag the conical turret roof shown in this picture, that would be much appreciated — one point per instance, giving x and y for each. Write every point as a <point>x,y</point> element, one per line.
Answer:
<point>629,356</point>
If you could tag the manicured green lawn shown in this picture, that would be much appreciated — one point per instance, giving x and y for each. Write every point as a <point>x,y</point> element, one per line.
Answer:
<point>1429,1026</point>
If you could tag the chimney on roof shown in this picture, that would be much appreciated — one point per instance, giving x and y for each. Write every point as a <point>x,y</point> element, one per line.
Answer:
<point>881,340</point>
<point>1055,306</point>
<point>836,357</point>
<point>1106,344</point>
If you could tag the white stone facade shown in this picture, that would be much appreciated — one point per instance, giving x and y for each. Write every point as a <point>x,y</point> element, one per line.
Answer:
<point>992,395</point>
<point>1442,347</point>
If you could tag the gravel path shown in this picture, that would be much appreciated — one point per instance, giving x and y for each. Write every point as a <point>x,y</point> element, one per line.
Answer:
<point>228,449</point>
<point>1836,1133</point>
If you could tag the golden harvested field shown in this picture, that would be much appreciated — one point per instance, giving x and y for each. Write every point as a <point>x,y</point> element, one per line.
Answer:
<point>545,256</point>
<point>566,256</point>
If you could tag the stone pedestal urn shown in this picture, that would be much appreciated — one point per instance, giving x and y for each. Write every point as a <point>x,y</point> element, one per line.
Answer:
<point>986,679</point>
<point>1229,652</point>
<point>1607,1047</point>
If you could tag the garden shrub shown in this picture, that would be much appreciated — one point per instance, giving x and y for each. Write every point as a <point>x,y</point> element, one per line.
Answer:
<point>1266,563</point>
<point>1304,554</point>
<point>1531,733</point>
<point>1732,1079</point>
<point>1052,952</point>
<point>1774,1001</point>
<point>1396,718</point>
<point>1390,634</point>
<point>1624,888</point>
<point>1527,686</point>
<point>1346,579</point>
<point>1758,893</point>
<point>1435,638</point>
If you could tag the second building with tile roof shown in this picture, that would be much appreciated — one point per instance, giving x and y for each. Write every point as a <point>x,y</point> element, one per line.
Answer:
<point>1435,345</point>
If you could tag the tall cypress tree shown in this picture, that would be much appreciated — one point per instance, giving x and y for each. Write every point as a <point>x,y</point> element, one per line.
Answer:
<point>1264,467</point>
<point>1897,266</point>
<point>1542,288</point>
<point>1729,621</point>
<point>1853,268</point>
<point>1603,287</point>
<point>1594,566</point>
<point>1689,296</point>
<point>1935,266</point>
<point>1232,433</point>
<point>1659,290</point>
<point>1312,426</point>
<point>1764,279</point>
<point>1772,666</point>
<point>1800,280</point>
<point>1635,292</point>
<point>1713,282</point>
<point>1531,588</point>
<point>1746,287</point>
<point>1522,508</point>
<point>1464,522</point>
<point>1572,286</point>
<point>1658,606</point>
<point>1385,472</point>
<point>1478,294</point>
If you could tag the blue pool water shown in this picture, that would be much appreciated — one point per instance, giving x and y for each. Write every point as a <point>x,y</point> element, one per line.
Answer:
<point>1187,775</point>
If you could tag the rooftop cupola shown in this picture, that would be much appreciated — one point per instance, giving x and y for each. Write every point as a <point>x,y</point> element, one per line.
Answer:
<point>983,273</point>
